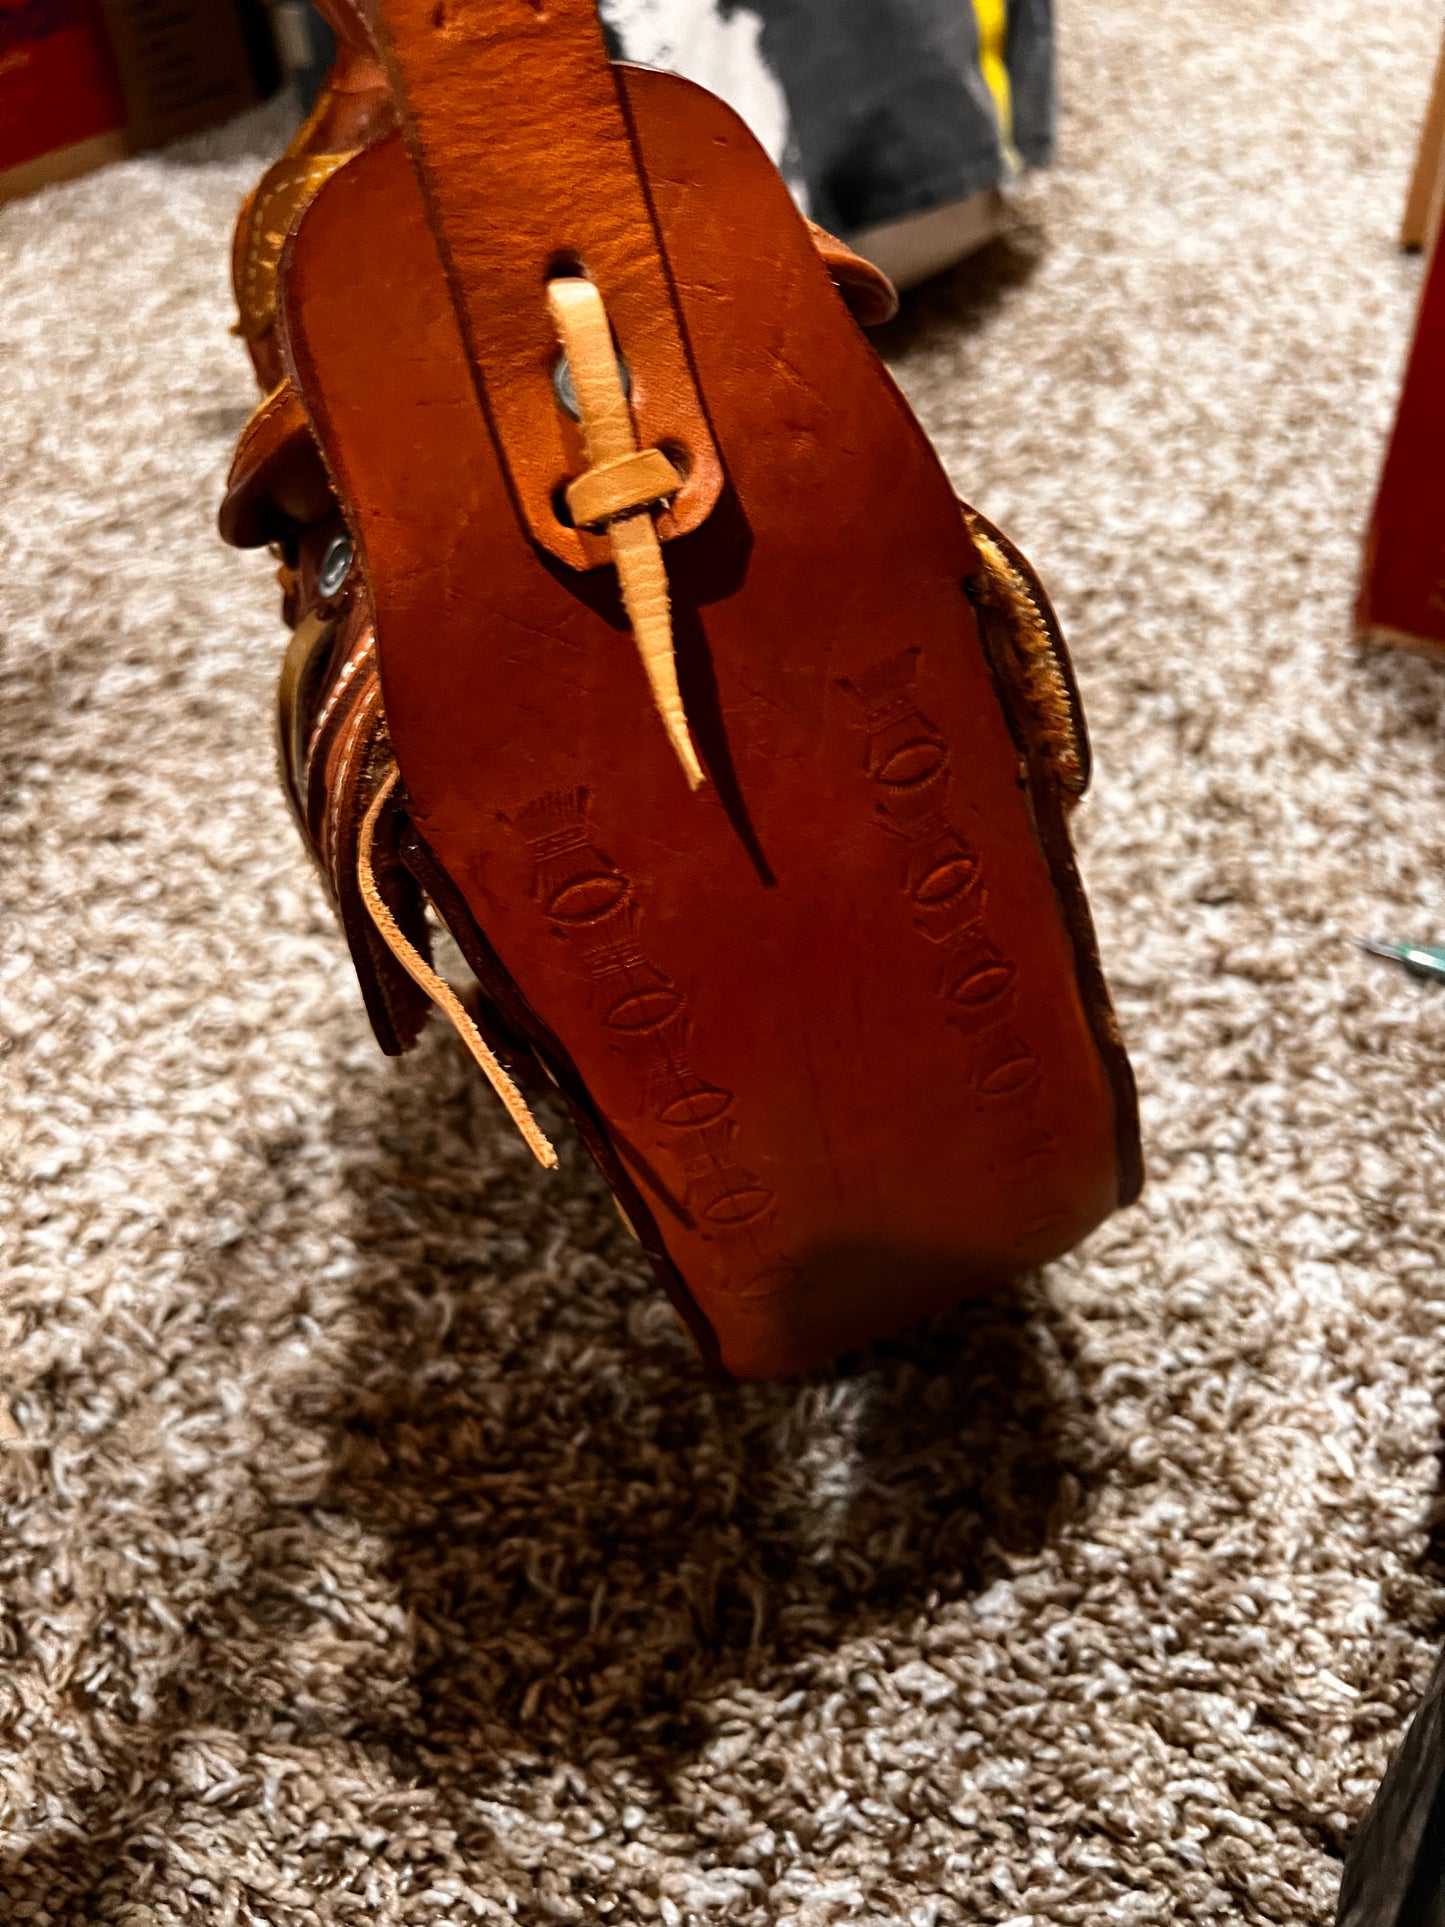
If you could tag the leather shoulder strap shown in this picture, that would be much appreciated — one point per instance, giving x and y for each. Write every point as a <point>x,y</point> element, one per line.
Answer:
<point>517,129</point>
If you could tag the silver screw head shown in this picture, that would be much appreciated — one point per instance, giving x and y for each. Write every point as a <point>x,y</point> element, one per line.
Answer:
<point>565,389</point>
<point>335,566</point>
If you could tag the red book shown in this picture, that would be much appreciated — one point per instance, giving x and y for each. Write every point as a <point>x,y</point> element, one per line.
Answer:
<point>57,85</point>
<point>1402,590</point>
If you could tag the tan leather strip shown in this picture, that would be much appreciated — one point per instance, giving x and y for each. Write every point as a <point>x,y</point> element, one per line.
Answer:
<point>441,992</point>
<point>642,574</point>
<point>582,328</point>
<point>610,489</point>
<point>515,124</point>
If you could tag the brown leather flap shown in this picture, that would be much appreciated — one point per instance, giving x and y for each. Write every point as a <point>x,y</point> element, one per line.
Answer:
<point>531,174</point>
<point>870,295</point>
<point>277,482</point>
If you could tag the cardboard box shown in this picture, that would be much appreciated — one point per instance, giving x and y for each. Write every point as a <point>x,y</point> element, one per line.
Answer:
<point>83,82</point>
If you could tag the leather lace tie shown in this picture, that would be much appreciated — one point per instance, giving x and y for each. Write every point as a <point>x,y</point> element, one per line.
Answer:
<point>618,494</point>
<point>441,992</point>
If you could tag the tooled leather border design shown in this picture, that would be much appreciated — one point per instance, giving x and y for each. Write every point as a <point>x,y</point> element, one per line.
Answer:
<point>591,905</point>
<point>944,885</point>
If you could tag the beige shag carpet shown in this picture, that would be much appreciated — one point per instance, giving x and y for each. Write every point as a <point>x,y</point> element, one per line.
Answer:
<point>371,1547</point>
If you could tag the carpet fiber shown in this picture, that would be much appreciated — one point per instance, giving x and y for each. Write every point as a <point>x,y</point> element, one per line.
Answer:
<point>371,1545</point>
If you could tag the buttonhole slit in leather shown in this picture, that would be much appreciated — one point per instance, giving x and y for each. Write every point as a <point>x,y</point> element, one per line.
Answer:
<point>679,456</point>
<point>698,683</point>
<point>565,265</point>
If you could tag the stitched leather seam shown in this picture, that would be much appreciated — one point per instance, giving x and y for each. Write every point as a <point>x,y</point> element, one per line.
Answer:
<point>321,763</point>
<point>298,180</point>
<point>345,763</point>
<point>344,676</point>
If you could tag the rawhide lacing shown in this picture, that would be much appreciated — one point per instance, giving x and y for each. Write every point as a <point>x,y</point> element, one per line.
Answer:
<point>618,494</point>
<point>441,992</point>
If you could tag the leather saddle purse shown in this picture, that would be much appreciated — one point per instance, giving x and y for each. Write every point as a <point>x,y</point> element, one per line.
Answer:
<point>639,634</point>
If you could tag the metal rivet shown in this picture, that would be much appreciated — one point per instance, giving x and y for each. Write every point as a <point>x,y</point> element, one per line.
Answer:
<point>335,566</point>
<point>567,395</point>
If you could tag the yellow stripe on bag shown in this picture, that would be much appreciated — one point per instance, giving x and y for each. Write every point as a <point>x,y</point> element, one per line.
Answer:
<point>992,17</point>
